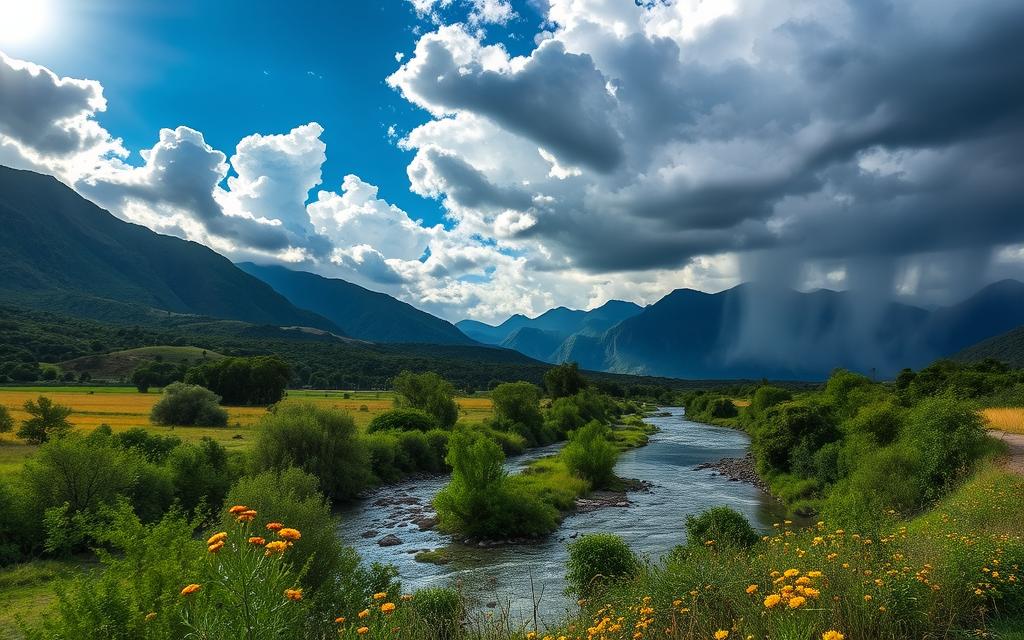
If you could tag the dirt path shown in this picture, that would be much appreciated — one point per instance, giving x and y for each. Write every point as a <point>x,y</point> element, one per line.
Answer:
<point>1015,449</point>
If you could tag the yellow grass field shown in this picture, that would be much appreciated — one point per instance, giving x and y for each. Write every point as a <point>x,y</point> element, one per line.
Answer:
<point>1009,419</point>
<point>124,408</point>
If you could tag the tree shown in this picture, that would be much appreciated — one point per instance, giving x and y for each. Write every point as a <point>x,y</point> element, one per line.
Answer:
<point>403,420</point>
<point>260,380</point>
<point>156,374</point>
<point>188,405</point>
<point>589,454</point>
<point>6,421</point>
<point>49,420</point>
<point>564,380</point>
<point>429,392</point>
<point>518,403</point>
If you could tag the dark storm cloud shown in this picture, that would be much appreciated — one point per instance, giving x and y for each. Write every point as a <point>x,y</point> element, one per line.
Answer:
<point>468,186</point>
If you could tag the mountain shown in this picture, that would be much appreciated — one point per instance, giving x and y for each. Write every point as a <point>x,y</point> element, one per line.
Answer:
<point>60,252</point>
<point>359,312</point>
<point>1007,347</point>
<point>994,310</point>
<point>544,337</point>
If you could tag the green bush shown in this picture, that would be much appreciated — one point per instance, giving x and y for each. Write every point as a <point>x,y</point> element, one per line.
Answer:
<point>154,446</point>
<point>563,417</point>
<point>428,392</point>
<point>517,406</point>
<point>323,442</point>
<point>766,397</point>
<point>200,473</point>
<point>188,404</point>
<point>950,436</point>
<point>597,559</point>
<point>418,452</point>
<point>441,610</point>
<point>403,419</point>
<point>726,526</point>
<point>382,448</point>
<point>564,380</point>
<point>789,434</point>
<point>6,421</point>
<point>48,420</point>
<point>881,421</point>
<point>590,455</point>
<point>722,408</point>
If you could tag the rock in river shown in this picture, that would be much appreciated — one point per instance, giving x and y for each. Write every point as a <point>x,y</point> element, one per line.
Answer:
<point>389,540</point>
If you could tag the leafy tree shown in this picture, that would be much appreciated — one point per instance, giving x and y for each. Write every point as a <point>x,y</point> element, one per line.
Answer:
<point>768,396</point>
<point>597,559</point>
<point>6,421</point>
<point>590,454</point>
<point>518,404</point>
<point>403,419</point>
<point>428,392</point>
<point>156,374</point>
<point>48,420</point>
<point>200,473</point>
<point>188,404</point>
<point>564,380</point>
<point>260,380</point>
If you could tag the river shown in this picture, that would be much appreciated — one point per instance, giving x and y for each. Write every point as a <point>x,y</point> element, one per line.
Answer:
<point>516,576</point>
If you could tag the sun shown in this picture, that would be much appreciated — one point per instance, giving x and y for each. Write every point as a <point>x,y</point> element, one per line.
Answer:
<point>22,20</point>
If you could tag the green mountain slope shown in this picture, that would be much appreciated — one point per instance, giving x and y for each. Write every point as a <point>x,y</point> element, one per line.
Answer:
<point>359,312</point>
<point>1007,347</point>
<point>63,253</point>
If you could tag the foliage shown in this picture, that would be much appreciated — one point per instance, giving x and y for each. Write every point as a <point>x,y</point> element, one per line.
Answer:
<point>564,380</point>
<point>188,405</point>
<point>591,455</point>
<point>428,392</point>
<point>517,408</point>
<point>323,442</point>
<point>47,420</point>
<point>258,380</point>
<point>768,396</point>
<point>200,473</point>
<point>403,419</point>
<point>6,421</point>
<point>156,374</point>
<point>597,559</point>
<point>442,611</point>
<point>722,526</point>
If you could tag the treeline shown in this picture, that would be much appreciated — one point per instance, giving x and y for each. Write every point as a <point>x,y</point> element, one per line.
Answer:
<point>856,447</point>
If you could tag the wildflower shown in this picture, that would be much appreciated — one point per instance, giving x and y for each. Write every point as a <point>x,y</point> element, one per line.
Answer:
<point>276,547</point>
<point>293,594</point>
<point>190,589</point>
<point>867,597</point>
<point>216,546</point>
<point>813,574</point>
<point>246,516</point>
<point>804,580</point>
<point>791,573</point>
<point>380,596</point>
<point>531,635</point>
<point>289,534</point>
<point>796,602</point>
<point>832,634</point>
<point>257,540</point>
<point>217,537</point>
<point>339,620</point>
<point>387,607</point>
<point>677,602</point>
<point>362,630</point>
<point>811,592</point>
<point>752,588</point>
<point>772,600</point>
<point>406,597</point>
<point>364,613</point>
<point>150,617</point>
<point>237,509</point>
<point>274,526</point>
<point>721,634</point>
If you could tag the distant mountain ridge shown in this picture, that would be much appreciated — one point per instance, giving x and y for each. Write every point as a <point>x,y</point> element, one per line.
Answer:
<point>61,252</point>
<point>1007,347</point>
<point>359,312</point>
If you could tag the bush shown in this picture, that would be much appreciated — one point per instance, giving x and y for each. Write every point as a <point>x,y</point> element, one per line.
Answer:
<point>385,464</point>
<point>48,420</point>
<point>766,397</point>
<point>156,374</point>
<point>428,392</point>
<point>564,380</point>
<point>597,559</point>
<point>188,405</point>
<point>441,610</point>
<point>789,433</point>
<point>6,421</point>
<point>727,527</point>
<point>200,473</point>
<point>589,454</point>
<point>722,408</point>
<point>950,436</point>
<point>155,447</point>
<point>260,380</point>
<point>517,404</point>
<point>323,442</point>
<point>563,417</point>
<point>880,421</point>
<point>404,419</point>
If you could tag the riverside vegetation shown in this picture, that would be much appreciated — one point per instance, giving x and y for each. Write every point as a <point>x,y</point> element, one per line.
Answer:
<point>917,534</point>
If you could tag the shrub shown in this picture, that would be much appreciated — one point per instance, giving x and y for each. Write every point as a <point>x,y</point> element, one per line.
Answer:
<point>881,421</point>
<point>323,442</point>
<point>385,464</point>
<point>403,419</point>
<point>950,436</point>
<point>441,610</point>
<point>563,417</point>
<point>518,404</point>
<point>417,452</point>
<point>789,433</point>
<point>6,421</point>
<point>766,397</point>
<point>154,446</point>
<point>156,374</point>
<point>726,526</point>
<point>188,405</point>
<point>200,473</point>
<point>597,559</point>
<point>428,392</point>
<point>564,380</point>
<point>48,420</point>
<point>590,454</point>
<point>722,408</point>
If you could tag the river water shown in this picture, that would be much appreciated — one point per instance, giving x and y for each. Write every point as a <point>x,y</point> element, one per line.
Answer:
<point>515,577</point>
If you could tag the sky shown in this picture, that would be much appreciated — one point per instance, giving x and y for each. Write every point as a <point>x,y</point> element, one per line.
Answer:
<point>479,158</point>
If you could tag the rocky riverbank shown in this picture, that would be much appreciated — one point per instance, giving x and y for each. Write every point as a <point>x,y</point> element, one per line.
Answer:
<point>737,470</point>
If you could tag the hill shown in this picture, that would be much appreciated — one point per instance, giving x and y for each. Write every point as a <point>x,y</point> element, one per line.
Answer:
<point>1007,347</point>
<point>62,253</point>
<point>359,312</point>
<point>118,365</point>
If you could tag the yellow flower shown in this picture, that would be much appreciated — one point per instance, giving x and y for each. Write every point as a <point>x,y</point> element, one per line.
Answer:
<point>791,573</point>
<point>811,592</point>
<point>772,600</point>
<point>216,546</point>
<point>289,534</point>
<point>832,634</point>
<point>796,602</point>
<point>721,634</point>
<point>752,588</point>
<point>293,594</point>
<point>814,574</point>
<point>362,630</point>
<point>531,635</point>
<point>867,597</point>
<point>151,616</point>
<point>803,580</point>
<point>274,526</point>
<point>380,596</point>
<point>190,589</point>
<point>276,547</point>
<point>387,607</point>
<point>237,509</point>
<point>217,537</point>
<point>364,613</point>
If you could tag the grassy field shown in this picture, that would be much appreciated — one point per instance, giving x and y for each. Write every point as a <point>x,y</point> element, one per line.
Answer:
<point>1009,419</point>
<point>124,408</point>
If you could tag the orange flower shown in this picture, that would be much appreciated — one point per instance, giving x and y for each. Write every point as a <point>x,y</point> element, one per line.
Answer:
<point>190,589</point>
<point>380,596</point>
<point>276,547</point>
<point>362,630</point>
<point>752,588</point>
<point>293,594</point>
<point>387,607</point>
<point>216,546</point>
<point>246,516</point>
<point>257,540</point>
<point>339,620</point>
<point>364,613</point>
<point>217,537</point>
<point>289,534</point>
<point>237,509</point>
<point>772,600</point>
<point>796,602</point>
<point>274,526</point>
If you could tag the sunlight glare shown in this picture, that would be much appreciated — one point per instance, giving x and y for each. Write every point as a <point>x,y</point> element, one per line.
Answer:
<point>22,20</point>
